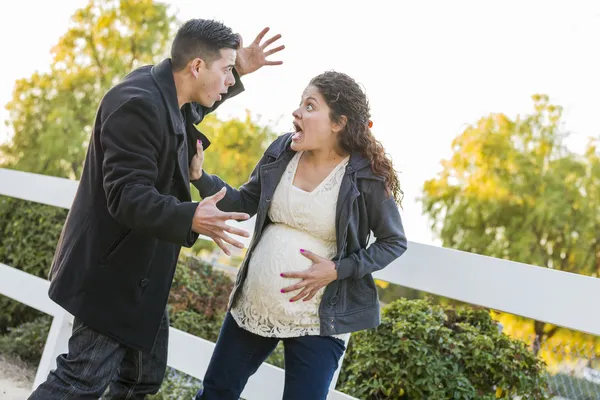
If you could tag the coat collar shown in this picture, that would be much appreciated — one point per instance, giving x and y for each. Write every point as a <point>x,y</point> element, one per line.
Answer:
<point>163,76</point>
<point>162,73</point>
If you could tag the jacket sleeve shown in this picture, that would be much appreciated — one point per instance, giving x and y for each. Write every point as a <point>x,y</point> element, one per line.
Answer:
<point>390,241</point>
<point>131,139</point>
<point>245,199</point>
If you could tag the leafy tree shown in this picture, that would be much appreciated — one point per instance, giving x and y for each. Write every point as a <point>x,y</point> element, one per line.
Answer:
<point>52,113</point>
<point>237,145</point>
<point>512,190</point>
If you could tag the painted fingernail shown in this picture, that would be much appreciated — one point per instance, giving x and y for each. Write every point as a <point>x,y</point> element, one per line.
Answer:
<point>281,275</point>
<point>291,301</point>
<point>301,250</point>
<point>282,291</point>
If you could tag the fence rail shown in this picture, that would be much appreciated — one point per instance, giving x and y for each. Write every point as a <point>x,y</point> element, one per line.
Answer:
<point>502,285</point>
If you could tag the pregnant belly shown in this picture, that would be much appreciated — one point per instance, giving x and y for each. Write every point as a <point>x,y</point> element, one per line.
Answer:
<point>278,252</point>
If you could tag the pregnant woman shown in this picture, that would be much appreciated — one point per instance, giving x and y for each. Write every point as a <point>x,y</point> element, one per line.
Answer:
<point>306,280</point>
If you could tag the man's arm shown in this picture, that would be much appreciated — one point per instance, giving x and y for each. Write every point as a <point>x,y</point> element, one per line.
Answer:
<point>131,139</point>
<point>245,199</point>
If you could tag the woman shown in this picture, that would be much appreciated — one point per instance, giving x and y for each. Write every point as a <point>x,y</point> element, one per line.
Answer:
<point>306,280</point>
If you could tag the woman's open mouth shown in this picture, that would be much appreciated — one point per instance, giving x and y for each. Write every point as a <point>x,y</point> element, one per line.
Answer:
<point>299,134</point>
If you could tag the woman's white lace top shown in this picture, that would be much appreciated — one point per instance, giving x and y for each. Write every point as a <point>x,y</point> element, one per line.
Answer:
<point>301,220</point>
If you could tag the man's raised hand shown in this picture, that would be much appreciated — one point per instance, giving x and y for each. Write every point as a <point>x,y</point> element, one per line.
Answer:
<point>210,221</point>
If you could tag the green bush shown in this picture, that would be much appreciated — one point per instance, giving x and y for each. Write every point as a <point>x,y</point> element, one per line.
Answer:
<point>177,385</point>
<point>28,236</point>
<point>198,298</point>
<point>426,351</point>
<point>26,342</point>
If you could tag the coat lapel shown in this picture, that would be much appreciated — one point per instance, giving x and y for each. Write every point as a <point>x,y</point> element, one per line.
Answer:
<point>162,74</point>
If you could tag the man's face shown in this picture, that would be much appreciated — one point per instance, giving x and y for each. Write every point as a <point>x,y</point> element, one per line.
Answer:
<point>212,81</point>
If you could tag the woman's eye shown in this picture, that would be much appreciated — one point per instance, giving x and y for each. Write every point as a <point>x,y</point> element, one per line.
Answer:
<point>309,107</point>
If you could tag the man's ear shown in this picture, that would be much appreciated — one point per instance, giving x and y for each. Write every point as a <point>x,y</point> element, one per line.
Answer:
<point>196,65</point>
<point>340,125</point>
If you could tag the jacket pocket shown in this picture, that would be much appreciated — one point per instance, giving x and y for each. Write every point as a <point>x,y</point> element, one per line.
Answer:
<point>363,291</point>
<point>115,246</point>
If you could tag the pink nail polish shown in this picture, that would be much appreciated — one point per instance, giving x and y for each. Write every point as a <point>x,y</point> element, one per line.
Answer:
<point>281,275</point>
<point>282,291</point>
<point>301,250</point>
<point>291,301</point>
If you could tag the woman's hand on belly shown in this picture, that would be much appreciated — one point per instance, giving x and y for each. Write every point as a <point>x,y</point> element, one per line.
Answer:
<point>320,274</point>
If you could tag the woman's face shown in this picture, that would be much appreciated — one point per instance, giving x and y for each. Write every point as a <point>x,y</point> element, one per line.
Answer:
<point>314,128</point>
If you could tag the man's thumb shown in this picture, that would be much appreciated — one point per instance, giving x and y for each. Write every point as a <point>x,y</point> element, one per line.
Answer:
<point>219,195</point>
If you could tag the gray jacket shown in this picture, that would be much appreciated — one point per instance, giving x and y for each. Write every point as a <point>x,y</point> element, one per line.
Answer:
<point>349,303</point>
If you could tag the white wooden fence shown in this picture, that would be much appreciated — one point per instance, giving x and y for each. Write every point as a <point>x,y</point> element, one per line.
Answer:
<point>539,293</point>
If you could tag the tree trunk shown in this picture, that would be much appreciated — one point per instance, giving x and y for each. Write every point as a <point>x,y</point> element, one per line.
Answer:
<point>541,335</point>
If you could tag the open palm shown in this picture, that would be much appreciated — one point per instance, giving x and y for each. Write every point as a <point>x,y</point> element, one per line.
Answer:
<point>253,57</point>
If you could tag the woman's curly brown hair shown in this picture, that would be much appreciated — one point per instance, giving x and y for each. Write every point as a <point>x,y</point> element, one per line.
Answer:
<point>345,97</point>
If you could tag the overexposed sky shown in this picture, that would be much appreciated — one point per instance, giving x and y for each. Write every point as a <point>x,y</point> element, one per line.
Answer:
<point>429,67</point>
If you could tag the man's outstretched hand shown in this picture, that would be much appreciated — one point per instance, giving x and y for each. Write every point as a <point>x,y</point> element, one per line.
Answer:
<point>210,221</point>
<point>253,57</point>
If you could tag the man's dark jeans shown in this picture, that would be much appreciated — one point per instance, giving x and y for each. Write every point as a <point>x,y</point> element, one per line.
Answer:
<point>96,362</point>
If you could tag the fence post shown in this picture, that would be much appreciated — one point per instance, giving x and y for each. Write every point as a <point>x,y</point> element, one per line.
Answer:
<point>56,343</point>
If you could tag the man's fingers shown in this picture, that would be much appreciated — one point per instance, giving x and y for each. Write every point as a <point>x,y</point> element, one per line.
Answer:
<point>237,216</point>
<point>215,198</point>
<point>273,51</point>
<point>273,62</point>
<point>261,35</point>
<point>199,147</point>
<point>222,245</point>
<point>226,238</point>
<point>270,41</point>
<point>235,231</point>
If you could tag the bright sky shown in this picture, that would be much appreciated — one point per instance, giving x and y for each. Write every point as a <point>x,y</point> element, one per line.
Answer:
<point>429,67</point>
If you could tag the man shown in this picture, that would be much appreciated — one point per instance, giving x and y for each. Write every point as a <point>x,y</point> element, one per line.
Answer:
<point>117,253</point>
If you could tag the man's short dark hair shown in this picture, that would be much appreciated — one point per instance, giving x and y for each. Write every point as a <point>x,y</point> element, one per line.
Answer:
<point>201,38</point>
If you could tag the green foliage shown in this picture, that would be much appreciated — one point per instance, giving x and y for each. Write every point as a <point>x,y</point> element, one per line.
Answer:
<point>52,113</point>
<point>198,298</point>
<point>512,190</point>
<point>26,342</point>
<point>236,147</point>
<point>177,385</point>
<point>426,351</point>
<point>28,236</point>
